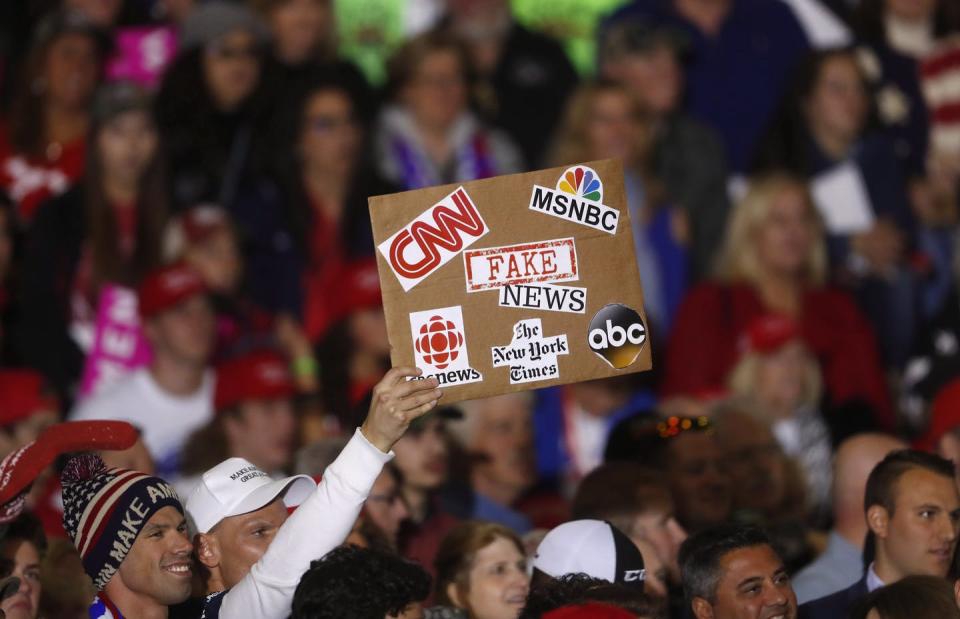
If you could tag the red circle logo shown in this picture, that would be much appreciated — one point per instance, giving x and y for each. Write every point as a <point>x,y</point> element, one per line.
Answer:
<point>439,342</point>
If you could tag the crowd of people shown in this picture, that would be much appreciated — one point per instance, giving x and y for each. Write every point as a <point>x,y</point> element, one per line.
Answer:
<point>198,414</point>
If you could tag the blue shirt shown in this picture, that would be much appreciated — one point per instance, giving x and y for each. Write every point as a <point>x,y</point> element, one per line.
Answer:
<point>735,79</point>
<point>553,457</point>
<point>839,567</point>
<point>487,509</point>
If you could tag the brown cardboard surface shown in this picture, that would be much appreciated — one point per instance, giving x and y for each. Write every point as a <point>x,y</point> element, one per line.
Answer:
<point>606,266</point>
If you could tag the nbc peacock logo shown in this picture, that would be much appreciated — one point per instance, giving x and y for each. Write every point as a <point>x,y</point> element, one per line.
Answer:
<point>583,182</point>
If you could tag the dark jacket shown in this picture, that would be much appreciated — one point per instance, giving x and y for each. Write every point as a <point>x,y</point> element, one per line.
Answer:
<point>688,157</point>
<point>528,89</point>
<point>51,256</point>
<point>836,605</point>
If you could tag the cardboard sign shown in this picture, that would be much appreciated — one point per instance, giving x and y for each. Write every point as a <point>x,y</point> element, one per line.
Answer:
<point>512,283</point>
<point>118,345</point>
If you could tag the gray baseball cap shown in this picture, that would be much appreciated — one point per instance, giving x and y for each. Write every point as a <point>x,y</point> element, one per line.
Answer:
<point>211,21</point>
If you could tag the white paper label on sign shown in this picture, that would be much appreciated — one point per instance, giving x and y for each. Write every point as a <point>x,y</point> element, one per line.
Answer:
<point>434,238</point>
<point>440,346</point>
<point>526,263</point>
<point>546,297</point>
<point>843,201</point>
<point>577,198</point>
<point>530,356</point>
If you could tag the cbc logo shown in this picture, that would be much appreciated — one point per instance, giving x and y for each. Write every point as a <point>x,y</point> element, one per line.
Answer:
<point>617,334</point>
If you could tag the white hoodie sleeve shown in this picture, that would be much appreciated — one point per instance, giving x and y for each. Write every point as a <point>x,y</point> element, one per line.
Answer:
<point>319,524</point>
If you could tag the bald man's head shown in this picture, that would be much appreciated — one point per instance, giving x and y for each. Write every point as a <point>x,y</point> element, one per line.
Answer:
<point>854,460</point>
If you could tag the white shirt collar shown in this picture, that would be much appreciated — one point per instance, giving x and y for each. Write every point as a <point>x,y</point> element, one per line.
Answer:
<point>873,581</point>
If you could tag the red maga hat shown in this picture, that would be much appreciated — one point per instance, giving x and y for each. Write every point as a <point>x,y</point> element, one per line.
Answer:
<point>22,395</point>
<point>259,375</point>
<point>166,287</point>
<point>361,288</point>
<point>768,333</point>
<point>20,468</point>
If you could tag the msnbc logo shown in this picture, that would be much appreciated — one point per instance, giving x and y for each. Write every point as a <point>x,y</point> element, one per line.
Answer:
<point>577,198</point>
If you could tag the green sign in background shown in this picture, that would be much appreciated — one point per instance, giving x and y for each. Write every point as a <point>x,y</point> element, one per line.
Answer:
<point>370,30</point>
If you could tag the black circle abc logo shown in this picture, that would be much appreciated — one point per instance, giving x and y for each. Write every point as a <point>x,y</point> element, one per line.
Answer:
<point>617,334</point>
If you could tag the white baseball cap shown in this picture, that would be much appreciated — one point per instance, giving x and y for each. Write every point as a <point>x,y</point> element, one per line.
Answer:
<point>592,547</point>
<point>236,487</point>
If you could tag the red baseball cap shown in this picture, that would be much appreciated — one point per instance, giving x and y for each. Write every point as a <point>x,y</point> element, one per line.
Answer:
<point>361,288</point>
<point>21,395</point>
<point>166,287</point>
<point>258,375</point>
<point>944,416</point>
<point>768,333</point>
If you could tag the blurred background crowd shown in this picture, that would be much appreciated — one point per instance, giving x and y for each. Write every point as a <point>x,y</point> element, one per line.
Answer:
<point>183,194</point>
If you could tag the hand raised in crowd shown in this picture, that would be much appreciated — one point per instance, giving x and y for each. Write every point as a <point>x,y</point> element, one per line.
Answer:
<point>397,402</point>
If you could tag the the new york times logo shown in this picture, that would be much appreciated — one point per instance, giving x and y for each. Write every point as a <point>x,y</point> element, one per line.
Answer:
<point>617,334</point>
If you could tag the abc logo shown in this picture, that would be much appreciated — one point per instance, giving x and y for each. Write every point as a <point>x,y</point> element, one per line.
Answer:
<point>617,334</point>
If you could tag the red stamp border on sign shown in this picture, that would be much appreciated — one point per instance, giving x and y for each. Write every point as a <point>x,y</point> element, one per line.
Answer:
<point>506,249</point>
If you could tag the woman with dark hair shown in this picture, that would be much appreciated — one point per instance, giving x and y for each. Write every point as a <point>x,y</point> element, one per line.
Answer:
<point>327,186</point>
<point>42,140</point>
<point>912,597</point>
<point>212,112</point>
<point>106,231</point>
<point>429,135</point>
<point>825,133</point>
<point>208,105</point>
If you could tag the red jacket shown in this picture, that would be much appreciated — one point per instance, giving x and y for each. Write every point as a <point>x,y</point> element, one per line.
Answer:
<point>703,345</point>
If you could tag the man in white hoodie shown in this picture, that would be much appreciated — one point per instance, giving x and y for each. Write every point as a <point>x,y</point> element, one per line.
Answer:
<point>252,554</point>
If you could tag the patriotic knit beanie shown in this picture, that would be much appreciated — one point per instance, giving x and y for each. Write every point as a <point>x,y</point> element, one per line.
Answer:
<point>105,510</point>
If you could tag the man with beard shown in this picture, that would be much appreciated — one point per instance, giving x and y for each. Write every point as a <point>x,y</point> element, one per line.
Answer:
<point>132,536</point>
<point>733,572</point>
<point>912,508</point>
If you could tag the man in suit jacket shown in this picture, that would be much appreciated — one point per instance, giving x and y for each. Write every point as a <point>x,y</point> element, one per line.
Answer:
<point>913,513</point>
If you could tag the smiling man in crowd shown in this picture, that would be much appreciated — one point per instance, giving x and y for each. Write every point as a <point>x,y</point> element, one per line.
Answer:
<point>132,534</point>
<point>733,572</point>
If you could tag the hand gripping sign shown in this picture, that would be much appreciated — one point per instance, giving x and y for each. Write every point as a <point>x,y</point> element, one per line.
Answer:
<point>512,283</point>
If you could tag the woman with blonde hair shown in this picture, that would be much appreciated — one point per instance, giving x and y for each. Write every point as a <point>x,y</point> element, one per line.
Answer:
<point>482,570</point>
<point>779,380</point>
<point>603,121</point>
<point>774,261</point>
